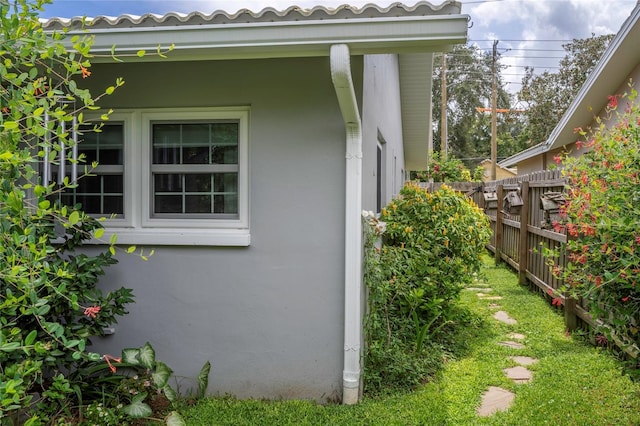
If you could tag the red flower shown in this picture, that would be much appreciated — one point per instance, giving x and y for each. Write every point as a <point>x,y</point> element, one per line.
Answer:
<point>85,72</point>
<point>556,301</point>
<point>108,359</point>
<point>618,166</point>
<point>598,281</point>
<point>92,311</point>
<point>579,144</point>
<point>613,101</point>
<point>626,299</point>
<point>557,159</point>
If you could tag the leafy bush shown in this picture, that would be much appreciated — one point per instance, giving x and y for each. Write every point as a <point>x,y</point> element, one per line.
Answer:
<point>450,169</point>
<point>602,214</point>
<point>431,249</point>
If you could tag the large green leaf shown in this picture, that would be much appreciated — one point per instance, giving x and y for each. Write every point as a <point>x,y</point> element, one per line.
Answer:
<point>174,419</point>
<point>161,374</point>
<point>170,393</point>
<point>147,356</point>
<point>203,379</point>
<point>131,356</point>
<point>138,408</point>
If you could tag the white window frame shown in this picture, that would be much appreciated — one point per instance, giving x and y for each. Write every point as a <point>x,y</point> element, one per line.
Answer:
<point>138,226</point>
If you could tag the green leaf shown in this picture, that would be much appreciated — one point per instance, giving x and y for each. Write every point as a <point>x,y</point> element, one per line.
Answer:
<point>170,393</point>
<point>141,53</point>
<point>138,408</point>
<point>131,249</point>
<point>203,379</point>
<point>161,374</point>
<point>131,356</point>
<point>113,239</point>
<point>109,90</point>
<point>98,233</point>
<point>74,218</point>
<point>147,356</point>
<point>174,419</point>
<point>31,338</point>
<point>10,125</point>
<point>10,347</point>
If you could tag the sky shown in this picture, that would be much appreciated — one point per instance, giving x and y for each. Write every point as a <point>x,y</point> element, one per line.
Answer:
<point>529,32</point>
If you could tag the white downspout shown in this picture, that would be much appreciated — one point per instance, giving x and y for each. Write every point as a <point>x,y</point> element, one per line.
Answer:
<point>343,84</point>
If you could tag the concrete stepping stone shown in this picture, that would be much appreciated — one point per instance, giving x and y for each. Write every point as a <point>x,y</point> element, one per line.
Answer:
<point>483,289</point>
<point>519,374</point>
<point>495,399</point>
<point>523,360</point>
<point>487,297</point>
<point>516,336</point>
<point>504,317</point>
<point>512,344</point>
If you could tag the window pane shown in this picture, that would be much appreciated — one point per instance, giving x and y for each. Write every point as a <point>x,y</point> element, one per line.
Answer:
<point>196,134</point>
<point>88,184</point>
<point>112,184</point>
<point>225,182</point>
<point>105,147</point>
<point>166,143</point>
<point>198,183</point>
<point>225,204</point>
<point>225,155</point>
<point>113,205</point>
<point>198,204</point>
<point>195,155</point>
<point>168,183</point>
<point>168,203</point>
<point>90,204</point>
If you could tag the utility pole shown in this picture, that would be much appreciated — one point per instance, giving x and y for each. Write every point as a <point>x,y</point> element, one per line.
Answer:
<point>494,112</point>
<point>443,114</point>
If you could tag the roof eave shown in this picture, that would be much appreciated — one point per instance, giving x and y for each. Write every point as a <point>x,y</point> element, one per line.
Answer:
<point>283,39</point>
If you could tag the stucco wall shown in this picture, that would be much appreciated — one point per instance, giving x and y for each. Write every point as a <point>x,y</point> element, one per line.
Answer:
<point>382,123</point>
<point>269,317</point>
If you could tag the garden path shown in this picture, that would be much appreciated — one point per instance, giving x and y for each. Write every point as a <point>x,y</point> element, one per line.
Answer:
<point>496,398</point>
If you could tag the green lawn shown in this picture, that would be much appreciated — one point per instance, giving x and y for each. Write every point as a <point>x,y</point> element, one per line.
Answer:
<point>573,384</point>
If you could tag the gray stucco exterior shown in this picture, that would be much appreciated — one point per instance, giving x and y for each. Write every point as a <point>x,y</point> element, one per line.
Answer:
<point>268,316</point>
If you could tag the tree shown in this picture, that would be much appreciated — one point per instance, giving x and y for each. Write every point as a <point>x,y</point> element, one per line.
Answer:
<point>549,94</point>
<point>469,82</point>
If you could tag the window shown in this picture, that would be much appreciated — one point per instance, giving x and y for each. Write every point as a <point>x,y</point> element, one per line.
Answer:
<point>169,177</point>
<point>194,169</point>
<point>102,192</point>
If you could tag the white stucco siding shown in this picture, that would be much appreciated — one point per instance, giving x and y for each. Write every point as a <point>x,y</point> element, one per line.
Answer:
<point>268,316</point>
<point>382,124</point>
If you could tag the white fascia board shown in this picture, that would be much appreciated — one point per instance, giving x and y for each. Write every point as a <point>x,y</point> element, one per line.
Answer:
<point>621,56</point>
<point>284,39</point>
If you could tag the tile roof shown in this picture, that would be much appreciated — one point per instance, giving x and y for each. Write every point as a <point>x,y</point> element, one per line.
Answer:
<point>269,14</point>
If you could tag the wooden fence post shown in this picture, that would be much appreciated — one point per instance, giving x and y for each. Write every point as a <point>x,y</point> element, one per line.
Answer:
<point>498,238</point>
<point>523,249</point>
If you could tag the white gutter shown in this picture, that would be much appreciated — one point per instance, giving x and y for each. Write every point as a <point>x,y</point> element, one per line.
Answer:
<point>343,84</point>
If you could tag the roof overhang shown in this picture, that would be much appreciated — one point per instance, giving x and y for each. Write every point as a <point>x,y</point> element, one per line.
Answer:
<point>407,34</point>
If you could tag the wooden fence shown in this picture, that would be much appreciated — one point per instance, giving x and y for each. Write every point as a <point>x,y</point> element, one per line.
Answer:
<point>520,239</point>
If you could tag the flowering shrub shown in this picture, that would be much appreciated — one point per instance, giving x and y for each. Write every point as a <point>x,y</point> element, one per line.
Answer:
<point>602,218</point>
<point>430,250</point>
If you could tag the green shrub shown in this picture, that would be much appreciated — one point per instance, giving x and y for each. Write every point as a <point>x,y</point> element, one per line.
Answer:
<point>449,170</point>
<point>431,249</point>
<point>602,217</point>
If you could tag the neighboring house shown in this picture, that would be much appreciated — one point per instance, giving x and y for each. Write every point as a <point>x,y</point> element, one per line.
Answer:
<point>619,64</point>
<point>501,171</point>
<point>228,158</point>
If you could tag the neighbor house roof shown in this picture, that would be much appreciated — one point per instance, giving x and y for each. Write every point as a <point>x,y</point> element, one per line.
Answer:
<point>617,62</point>
<point>413,32</point>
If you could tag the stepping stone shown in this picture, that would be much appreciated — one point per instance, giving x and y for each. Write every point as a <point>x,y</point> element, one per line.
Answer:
<point>516,336</point>
<point>523,360</point>
<point>487,297</point>
<point>504,317</point>
<point>484,289</point>
<point>519,374</point>
<point>495,399</point>
<point>494,306</point>
<point>512,344</point>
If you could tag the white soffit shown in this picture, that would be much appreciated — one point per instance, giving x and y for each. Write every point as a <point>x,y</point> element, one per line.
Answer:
<point>416,92</point>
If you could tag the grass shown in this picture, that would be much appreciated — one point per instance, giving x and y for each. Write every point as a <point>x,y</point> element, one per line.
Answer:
<point>574,383</point>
